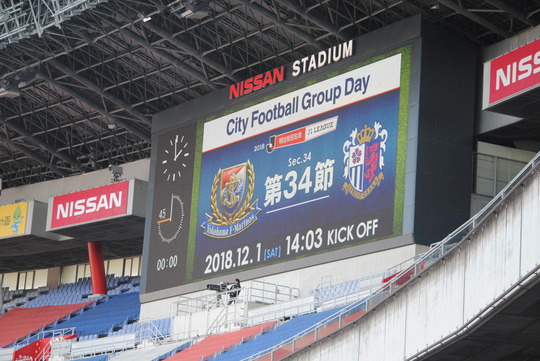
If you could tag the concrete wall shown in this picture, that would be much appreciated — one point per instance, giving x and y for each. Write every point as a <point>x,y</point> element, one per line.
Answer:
<point>451,293</point>
<point>44,190</point>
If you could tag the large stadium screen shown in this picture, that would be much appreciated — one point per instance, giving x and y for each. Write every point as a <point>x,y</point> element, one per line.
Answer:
<point>315,169</point>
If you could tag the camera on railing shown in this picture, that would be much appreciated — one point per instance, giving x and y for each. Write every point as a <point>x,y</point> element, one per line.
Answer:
<point>220,287</point>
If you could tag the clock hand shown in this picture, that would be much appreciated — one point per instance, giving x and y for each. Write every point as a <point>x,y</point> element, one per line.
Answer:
<point>176,155</point>
<point>176,152</point>
<point>170,213</point>
<point>176,147</point>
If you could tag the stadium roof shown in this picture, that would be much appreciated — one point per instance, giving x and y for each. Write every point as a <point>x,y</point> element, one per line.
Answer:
<point>80,81</point>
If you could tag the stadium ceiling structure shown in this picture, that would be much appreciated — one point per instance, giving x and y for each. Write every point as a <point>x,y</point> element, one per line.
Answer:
<point>81,79</point>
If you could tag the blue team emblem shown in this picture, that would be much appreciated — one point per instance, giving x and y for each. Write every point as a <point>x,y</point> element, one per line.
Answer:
<point>232,209</point>
<point>364,160</point>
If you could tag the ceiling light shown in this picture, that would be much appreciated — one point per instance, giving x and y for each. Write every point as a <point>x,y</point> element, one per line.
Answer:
<point>8,91</point>
<point>145,18</point>
<point>192,9</point>
<point>194,14</point>
<point>4,93</point>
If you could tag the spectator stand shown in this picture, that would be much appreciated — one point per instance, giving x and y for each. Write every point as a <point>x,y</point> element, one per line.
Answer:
<point>258,292</point>
<point>16,298</point>
<point>26,324</point>
<point>275,337</point>
<point>6,354</point>
<point>214,345</point>
<point>222,317</point>
<point>326,296</point>
<point>95,358</point>
<point>142,334</point>
<point>108,316</point>
<point>151,353</point>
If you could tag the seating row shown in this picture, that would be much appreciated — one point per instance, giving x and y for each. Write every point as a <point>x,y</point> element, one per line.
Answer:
<point>344,288</point>
<point>103,319</point>
<point>275,336</point>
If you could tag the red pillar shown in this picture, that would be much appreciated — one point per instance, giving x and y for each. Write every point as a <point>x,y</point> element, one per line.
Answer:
<point>97,268</point>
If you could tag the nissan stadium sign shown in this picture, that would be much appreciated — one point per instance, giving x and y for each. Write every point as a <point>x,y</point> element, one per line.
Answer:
<point>511,74</point>
<point>88,205</point>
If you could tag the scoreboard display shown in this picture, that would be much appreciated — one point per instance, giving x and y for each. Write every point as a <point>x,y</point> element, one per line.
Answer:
<point>310,170</point>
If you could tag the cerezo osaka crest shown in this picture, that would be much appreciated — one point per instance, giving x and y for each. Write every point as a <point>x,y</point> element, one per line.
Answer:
<point>363,158</point>
<point>231,202</point>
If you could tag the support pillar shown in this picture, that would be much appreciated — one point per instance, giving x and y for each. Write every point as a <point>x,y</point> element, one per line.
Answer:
<point>97,268</point>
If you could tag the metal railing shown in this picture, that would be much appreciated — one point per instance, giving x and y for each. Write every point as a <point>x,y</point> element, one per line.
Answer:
<point>281,311</point>
<point>265,292</point>
<point>347,298</point>
<point>258,291</point>
<point>44,334</point>
<point>233,314</point>
<point>352,312</point>
<point>228,312</point>
<point>146,335</point>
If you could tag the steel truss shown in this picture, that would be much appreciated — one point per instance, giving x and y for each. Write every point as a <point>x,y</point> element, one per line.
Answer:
<point>85,84</point>
<point>22,19</point>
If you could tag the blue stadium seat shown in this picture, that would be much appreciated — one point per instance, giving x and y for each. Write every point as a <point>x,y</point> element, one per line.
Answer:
<point>94,358</point>
<point>274,337</point>
<point>103,318</point>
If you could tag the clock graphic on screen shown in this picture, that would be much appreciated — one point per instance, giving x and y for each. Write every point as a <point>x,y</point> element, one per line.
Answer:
<point>174,160</point>
<point>170,219</point>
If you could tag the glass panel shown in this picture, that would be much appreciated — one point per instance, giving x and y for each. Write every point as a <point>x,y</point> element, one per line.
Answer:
<point>22,281</point>
<point>40,279</point>
<point>10,280</point>
<point>116,267</point>
<point>29,284</point>
<point>136,270</point>
<point>327,329</point>
<point>283,352</point>
<point>494,173</point>
<point>69,274</point>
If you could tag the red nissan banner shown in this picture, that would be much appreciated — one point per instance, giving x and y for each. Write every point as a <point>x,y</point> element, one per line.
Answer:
<point>514,72</point>
<point>89,205</point>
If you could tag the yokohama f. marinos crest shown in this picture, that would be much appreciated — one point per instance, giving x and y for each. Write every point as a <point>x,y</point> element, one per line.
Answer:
<point>363,158</point>
<point>231,202</point>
